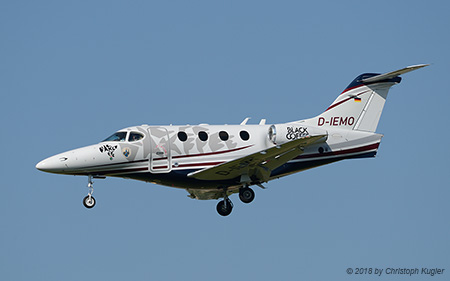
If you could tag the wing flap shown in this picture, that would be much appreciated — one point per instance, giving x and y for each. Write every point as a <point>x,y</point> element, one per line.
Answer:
<point>259,164</point>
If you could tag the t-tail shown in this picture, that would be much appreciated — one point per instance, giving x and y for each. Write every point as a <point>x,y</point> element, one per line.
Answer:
<point>360,105</point>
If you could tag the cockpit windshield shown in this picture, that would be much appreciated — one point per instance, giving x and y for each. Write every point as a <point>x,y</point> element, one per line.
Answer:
<point>119,136</point>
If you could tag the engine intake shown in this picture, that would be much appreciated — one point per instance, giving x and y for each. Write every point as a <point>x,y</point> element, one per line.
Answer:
<point>282,133</point>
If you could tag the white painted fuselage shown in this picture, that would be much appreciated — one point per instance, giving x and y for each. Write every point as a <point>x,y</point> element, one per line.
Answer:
<point>161,157</point>
<point>215,161</point>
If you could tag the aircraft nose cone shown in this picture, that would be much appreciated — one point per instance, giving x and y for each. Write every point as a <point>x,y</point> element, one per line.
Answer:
<point>52,164</point>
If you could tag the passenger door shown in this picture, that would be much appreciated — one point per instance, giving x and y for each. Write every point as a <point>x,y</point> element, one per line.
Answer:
<point>160,158</point>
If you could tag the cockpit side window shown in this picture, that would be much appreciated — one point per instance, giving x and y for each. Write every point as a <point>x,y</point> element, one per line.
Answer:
<point>135,136</point>
<point>119,136</point>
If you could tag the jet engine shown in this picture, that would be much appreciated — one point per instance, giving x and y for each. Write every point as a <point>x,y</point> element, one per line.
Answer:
<point>282,133</point>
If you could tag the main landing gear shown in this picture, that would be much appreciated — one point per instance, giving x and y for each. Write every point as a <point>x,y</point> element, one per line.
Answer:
<point>89,200</point>
<point>246,194</point>
<point>224,207</point>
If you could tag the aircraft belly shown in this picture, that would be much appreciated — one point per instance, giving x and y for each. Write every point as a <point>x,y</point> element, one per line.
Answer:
<point>296,166</point>
<point>179,179</point>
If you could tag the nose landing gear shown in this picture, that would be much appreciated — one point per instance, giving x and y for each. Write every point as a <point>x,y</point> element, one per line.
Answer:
<point>89,200</point>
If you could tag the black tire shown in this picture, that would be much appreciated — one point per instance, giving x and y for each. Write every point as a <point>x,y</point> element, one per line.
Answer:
<point>246,195</point>
<point>224,209</point>
<point>89,204</point>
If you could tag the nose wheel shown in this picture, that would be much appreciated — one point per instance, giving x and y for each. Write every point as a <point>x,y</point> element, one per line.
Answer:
<point>89,200</point>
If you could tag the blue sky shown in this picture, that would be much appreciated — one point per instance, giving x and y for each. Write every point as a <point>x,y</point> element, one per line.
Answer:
<point>73,72</point>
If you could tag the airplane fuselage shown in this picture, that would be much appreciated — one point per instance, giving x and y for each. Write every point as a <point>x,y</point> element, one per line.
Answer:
<point>167,154</point>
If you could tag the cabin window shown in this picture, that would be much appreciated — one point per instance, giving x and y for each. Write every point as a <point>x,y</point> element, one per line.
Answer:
<point>119,136</point>
<point>244,135</point>
<point>135,136</point>
<point>223,135</point>
<point>203,136</point>
<point>182,136</point>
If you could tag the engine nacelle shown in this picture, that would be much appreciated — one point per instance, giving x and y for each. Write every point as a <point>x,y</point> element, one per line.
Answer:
<point>282,133</point>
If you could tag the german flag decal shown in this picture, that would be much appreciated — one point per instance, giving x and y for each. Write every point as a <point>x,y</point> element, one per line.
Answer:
<point>356,99</point>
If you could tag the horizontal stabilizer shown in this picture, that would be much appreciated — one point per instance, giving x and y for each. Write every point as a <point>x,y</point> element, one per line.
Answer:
<point>392,74</point>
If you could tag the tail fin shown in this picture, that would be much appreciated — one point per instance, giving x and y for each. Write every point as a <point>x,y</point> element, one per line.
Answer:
<point>360,105</point>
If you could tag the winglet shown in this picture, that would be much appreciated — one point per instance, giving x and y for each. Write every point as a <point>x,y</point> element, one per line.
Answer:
<point>393,74</point>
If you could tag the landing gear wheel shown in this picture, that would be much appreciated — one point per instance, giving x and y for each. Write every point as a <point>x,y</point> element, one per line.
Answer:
<point>89,202</point>
<point>246,194</point>
<point>224,207</point>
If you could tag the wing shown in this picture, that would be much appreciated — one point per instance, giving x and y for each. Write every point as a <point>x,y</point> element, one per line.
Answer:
<point>258,165</point>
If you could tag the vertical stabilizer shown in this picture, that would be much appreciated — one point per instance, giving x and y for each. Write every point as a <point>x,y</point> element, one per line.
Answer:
<point>360,105</point>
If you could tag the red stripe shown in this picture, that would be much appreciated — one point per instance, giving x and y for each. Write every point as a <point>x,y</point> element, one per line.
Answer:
<point>366,148</point>
<point>159,167</point>
<point>200,164</point>
<point>349,89</point>
<point>116,164</point>
<point>115,171</point>
<point>125,171</point>
<point>342,101</point>
<point>334,153</point>
<point>190,165</point>
<point>205,154</point>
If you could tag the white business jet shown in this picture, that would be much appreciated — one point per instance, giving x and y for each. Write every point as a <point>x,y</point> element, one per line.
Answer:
<point>213,162</point>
